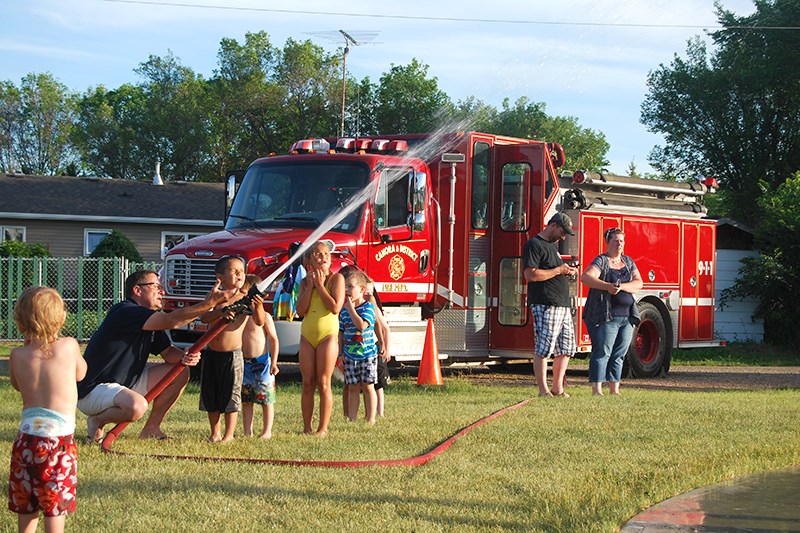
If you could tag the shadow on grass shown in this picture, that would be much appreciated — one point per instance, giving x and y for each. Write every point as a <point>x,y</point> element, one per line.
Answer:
<point>453,511</point>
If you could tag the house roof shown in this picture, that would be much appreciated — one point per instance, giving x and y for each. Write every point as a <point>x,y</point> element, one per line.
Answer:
<point>69,198</point>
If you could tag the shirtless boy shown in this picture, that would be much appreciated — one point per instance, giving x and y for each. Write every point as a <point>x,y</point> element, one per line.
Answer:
<point>260,350</point>
<point>221,366</point>
<point>43,473</point>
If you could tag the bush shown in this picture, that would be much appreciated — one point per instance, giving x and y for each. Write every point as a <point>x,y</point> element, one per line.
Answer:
<point>116,244</point>
<point>23,249</point>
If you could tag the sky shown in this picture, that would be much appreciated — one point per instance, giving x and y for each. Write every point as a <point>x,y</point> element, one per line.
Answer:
<point>581,58</point>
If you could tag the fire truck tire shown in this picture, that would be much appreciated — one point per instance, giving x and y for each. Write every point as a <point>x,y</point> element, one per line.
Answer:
<point>651,349</point>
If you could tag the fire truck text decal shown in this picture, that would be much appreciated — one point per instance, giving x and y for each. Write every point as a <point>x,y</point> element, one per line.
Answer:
<point>705,267</point>
<point>397,248</point>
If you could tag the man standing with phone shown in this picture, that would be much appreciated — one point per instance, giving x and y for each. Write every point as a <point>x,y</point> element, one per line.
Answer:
<point>548,298</point>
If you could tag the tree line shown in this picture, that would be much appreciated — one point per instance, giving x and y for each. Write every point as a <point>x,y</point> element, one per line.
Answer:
<point>260,99</point>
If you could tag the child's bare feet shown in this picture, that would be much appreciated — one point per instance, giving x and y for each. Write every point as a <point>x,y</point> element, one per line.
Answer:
<point>266,435</point>
<point>321,434</point>
<point>227,438</point>
<point>215,438</point>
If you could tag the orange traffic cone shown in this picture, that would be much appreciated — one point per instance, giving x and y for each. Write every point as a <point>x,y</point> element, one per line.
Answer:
<point>429,371</point>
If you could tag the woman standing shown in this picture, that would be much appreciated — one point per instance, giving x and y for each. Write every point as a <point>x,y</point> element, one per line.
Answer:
<point>319,302</point>
<point>610,312</point>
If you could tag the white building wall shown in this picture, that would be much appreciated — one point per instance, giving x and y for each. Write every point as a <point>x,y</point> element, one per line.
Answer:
<point>734,323</point>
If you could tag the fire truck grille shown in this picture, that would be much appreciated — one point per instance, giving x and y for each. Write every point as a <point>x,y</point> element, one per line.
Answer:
<point>189,277</point>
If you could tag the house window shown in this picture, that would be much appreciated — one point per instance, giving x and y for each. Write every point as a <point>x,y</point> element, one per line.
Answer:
<point>170,239</point>
<point>92,237</point>
<point>13,233</point>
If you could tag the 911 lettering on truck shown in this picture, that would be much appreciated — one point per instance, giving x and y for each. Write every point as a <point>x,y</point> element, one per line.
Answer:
<point>442,233</point>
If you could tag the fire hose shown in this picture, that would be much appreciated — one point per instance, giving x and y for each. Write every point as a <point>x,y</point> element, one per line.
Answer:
<point>238,308</point>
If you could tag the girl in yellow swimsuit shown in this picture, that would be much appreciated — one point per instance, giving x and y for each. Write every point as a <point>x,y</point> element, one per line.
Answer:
<point>320,299</point>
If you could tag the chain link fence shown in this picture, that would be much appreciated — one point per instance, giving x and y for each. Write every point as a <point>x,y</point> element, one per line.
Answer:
<point>88,286</point>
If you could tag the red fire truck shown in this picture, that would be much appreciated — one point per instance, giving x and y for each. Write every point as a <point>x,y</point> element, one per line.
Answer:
<point>442,234</point>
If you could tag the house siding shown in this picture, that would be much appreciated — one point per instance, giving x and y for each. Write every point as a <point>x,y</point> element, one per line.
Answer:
<point>734,322</point>
<point>55,210</point>
<point>66,238</point>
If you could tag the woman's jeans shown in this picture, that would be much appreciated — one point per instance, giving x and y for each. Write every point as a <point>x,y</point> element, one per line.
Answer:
<point>610,343</point>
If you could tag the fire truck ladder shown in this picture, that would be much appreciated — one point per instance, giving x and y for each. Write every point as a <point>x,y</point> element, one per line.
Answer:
<point>589,190</point>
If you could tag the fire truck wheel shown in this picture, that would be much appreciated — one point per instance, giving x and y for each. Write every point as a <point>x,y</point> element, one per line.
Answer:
<point>650,349</point>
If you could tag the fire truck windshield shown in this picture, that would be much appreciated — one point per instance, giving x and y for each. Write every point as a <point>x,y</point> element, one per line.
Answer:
<point>297,194</point>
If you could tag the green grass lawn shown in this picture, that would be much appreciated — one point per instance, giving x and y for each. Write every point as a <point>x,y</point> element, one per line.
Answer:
<point>737,354</point>
<point>580,464</point>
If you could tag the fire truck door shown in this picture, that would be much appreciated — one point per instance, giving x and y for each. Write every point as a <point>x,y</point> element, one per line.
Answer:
<point>516,198</point>
<point>696,322</point>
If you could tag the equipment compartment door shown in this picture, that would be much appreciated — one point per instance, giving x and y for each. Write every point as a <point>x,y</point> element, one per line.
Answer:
<point>696,321</point>
<point>516,199</point>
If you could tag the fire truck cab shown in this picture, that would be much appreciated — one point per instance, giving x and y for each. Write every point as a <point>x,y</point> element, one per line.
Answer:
<point>439,223</point>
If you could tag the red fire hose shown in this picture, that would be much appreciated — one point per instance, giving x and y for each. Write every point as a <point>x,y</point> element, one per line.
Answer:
<point>159,387</point>
<point>417,460</point>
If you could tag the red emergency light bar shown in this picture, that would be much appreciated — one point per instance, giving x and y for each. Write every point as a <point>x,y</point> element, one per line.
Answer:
<point>349,145</point>
<point>379,145</point>
<point>310,146</point>
<point>346,144</point>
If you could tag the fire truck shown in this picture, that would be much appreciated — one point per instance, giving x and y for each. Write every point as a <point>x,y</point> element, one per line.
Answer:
<point>441,231</point>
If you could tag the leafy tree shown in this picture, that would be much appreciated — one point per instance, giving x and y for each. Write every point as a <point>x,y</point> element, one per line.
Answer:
<point>774,276</point>
<point>475,115</point>
<point>35,124</point>
<point>633,171</point>
<point>174,129</point>
<point>524,119</point>
<point>410,102</point>
<point>23,249</point>
<point>584,148</point>
<point>249,103</point>
<point>361,107</point>
<point>108,130</point>
<point>733,114</point>
<point>117,244</point>
<point>311,80</point>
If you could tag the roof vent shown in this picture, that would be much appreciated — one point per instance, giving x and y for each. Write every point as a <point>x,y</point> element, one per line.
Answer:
<point>157,177</point>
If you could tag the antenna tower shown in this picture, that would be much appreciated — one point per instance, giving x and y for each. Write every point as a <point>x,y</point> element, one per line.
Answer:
<point>351,38</point>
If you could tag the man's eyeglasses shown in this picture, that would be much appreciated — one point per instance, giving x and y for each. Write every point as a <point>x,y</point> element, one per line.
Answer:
<point>159,287</point>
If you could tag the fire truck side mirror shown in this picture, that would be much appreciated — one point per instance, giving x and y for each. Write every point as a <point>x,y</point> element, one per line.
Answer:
<point>418,200</point>
<point>230,193</point>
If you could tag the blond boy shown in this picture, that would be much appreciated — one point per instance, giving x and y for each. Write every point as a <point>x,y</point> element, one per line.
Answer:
<point>260,350</point>
<point>45,371</point>
<point>221,366</point>
<point>357,336</point>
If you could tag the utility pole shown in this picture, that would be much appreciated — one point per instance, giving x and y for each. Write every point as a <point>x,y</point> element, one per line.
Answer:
<point>351,38</point>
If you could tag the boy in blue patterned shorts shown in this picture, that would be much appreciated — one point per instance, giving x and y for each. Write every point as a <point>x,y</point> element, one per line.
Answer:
<point>260,350</point>
<point>357,339</point>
